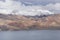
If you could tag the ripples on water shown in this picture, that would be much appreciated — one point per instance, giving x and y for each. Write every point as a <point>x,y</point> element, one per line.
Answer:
<point>30,35</point>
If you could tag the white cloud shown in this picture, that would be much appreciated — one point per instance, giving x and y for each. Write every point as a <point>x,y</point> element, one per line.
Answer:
<point>53,7</point>
<point>57,6</point>
<point>10,6</point>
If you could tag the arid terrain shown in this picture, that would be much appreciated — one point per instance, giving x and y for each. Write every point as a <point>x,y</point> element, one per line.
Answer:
<point>20,22</point>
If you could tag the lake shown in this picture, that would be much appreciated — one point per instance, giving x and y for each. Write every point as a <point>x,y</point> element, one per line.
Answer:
<point>30,35</point>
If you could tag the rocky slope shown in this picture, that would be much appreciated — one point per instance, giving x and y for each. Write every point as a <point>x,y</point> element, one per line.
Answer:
<point>18,22</point>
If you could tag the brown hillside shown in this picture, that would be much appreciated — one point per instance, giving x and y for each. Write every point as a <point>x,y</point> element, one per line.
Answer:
<point>15,22</point>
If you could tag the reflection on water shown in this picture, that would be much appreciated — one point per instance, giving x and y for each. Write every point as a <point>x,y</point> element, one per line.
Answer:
<point>30,35</point>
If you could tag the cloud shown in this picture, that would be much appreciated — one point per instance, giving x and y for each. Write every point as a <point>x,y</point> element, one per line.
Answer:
<point>39,2</point>
<point>10,6</point>
<point>53,7</point>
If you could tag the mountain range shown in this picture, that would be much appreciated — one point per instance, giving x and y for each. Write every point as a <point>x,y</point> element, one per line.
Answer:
<point>20,22</point>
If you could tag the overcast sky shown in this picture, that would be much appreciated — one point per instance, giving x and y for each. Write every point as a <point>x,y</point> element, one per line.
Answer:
<point>40,2</point>
<point>30,7</point>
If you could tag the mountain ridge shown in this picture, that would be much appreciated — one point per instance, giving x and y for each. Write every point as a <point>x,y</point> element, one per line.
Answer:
<point>21,22</point>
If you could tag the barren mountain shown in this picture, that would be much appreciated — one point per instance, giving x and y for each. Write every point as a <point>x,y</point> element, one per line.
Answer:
<point>19,22</point>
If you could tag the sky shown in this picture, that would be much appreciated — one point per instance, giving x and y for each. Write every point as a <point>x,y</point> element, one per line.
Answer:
<point>29,7</point>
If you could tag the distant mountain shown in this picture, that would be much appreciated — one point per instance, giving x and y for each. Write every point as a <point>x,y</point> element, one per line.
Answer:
<point>19,22</point>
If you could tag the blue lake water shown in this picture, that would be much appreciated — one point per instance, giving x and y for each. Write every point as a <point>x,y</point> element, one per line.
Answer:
<point>30,35</point>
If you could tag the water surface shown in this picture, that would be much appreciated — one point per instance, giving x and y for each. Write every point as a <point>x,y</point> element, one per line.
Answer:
<point>30,35</point>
